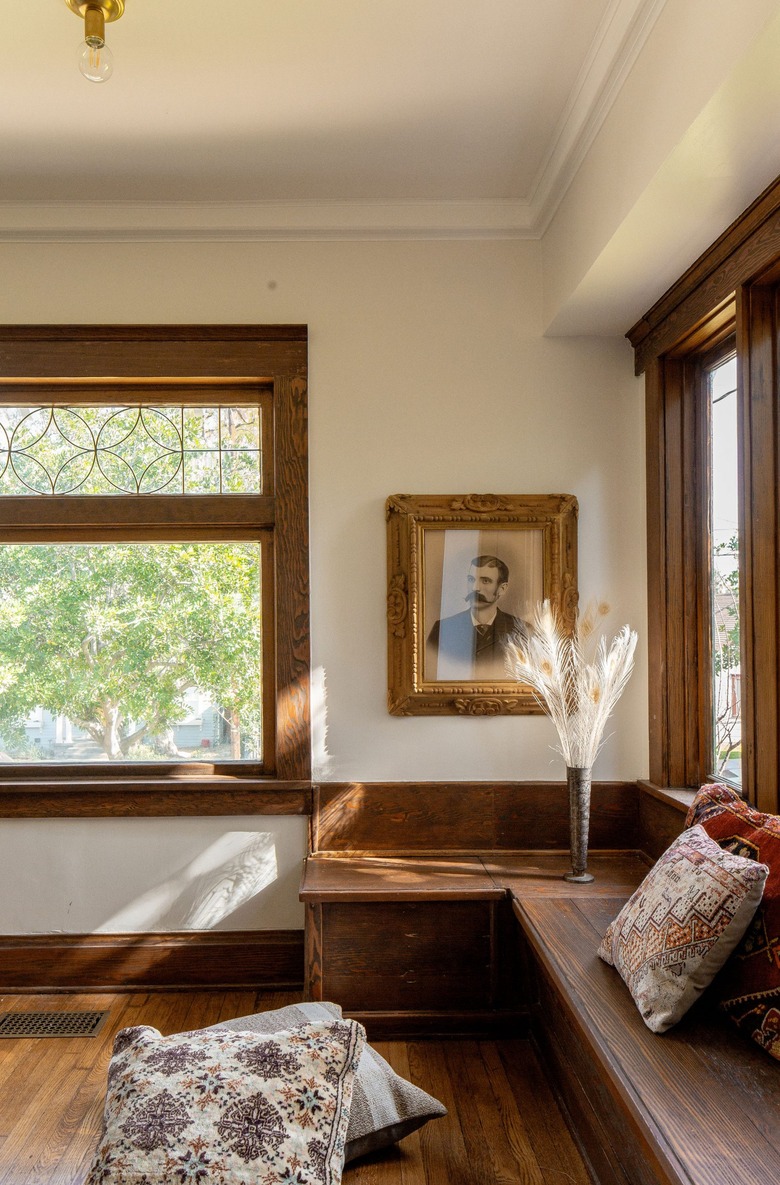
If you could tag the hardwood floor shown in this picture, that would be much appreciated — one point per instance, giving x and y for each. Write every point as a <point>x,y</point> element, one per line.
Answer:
<point>504,1126</point>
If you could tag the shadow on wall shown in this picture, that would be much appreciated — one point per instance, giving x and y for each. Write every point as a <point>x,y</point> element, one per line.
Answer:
<point>230,873</point>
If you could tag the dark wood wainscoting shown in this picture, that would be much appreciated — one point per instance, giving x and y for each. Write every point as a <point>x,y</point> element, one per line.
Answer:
<point>661,816</point>
<point>466,816</point>
<point>185,960</point>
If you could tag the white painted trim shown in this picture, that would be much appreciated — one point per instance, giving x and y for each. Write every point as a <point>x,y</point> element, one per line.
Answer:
<point>250,221</point>
<point>624,29</point>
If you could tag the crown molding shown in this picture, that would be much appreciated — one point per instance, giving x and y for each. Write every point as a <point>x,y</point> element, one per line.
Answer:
<point>261,221</point>
<point>620,38</point>
<point>623,31</point>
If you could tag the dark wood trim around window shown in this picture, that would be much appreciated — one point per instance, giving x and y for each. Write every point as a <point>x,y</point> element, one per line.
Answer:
<point>265,363</point>
<point>678,565</point>
<point>758,324</point>
<point>733,289</point>
<point>704,293</point>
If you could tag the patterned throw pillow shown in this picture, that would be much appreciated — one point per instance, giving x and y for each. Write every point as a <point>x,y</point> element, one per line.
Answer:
<point>385,1107</point>
<point>749,987</point>
<point>224,1108</point>
<point>682,923</point>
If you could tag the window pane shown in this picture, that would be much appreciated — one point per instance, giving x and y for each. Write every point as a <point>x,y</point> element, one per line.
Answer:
<point>724,598</point>
<point>129,450</point>
<point>130,652</point>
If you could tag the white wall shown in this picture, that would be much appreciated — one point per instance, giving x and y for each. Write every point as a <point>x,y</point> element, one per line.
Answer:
<point>428,373</point>
<point>692,138</point>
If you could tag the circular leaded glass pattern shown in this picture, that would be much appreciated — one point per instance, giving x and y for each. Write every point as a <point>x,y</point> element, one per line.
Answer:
<point>130,450</point>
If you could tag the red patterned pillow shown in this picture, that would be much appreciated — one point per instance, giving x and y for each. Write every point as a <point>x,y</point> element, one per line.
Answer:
<point>749,985</point>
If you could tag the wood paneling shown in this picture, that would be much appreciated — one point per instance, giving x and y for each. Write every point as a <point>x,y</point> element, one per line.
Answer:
<point>414,956</point>
<point>661,819</point>
<point>138,962</point>
<point>411,944</point>
<point>465,816</point>
<point>402,816</point>
<point>531,816</point>
<point>584,1092</point>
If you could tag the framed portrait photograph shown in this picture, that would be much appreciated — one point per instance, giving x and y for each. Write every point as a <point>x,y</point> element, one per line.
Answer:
<point>464,572</point>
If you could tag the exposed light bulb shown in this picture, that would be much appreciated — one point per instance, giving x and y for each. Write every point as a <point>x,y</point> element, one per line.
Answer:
<point>96,61</point>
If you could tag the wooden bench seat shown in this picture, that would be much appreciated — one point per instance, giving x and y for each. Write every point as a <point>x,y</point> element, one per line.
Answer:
<point>408,944</point>
<point>403,935</point>
<point>698,1105</point>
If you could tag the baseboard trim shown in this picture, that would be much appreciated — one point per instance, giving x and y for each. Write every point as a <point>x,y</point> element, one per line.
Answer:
<point>181,960</point>
<point>399,1026</point>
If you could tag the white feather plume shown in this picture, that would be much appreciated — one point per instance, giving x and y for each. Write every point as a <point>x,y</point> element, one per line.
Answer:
<point>576,679</point>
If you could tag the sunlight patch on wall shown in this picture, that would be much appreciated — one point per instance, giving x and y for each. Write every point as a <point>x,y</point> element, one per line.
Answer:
<point>321,758</point>
<point>232,871</point>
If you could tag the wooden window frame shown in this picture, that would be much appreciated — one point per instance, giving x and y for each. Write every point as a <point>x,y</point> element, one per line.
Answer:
<point>733,288</point>
<point>679,575</point>
<point>151,364</point>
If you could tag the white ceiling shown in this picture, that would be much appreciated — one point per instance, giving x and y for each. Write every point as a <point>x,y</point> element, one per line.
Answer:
<point>624,135</point>
<point>478,106</point>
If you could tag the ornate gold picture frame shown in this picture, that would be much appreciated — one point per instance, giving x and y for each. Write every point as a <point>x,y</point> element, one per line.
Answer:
<point>463,574</point>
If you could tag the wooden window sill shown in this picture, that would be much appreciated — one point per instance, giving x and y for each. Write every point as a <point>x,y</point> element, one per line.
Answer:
<point>103,797</point>
<point>680,798</point>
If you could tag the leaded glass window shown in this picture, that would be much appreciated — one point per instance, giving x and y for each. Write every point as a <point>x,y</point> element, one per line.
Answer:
<point>116,449</point>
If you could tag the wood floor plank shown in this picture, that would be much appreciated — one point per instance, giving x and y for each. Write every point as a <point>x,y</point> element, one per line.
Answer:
<point>81,1119</point>
<point>496,1142</point>
<point>385,1167</point>
<point>235,1004</point>
<point>33,1148</point>
<point>556,1153</point>
<point>26,1068</point>
<point>442,1146</point>
<point>403,1164</point>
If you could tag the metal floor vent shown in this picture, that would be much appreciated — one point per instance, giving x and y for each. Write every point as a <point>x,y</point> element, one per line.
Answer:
<point>51,1024</point>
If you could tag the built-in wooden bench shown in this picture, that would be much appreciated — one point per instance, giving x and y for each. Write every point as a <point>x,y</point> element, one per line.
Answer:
<point>696,1106</point>
<point>408,943</point>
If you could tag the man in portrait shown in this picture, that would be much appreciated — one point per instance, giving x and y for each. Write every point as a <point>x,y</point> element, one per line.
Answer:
<point>473,644</point>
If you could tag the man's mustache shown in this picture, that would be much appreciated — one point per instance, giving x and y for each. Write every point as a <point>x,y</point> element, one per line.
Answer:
<point>477,597</point>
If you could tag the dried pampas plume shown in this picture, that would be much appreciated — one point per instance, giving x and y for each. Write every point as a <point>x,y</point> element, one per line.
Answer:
<point>576,680</point>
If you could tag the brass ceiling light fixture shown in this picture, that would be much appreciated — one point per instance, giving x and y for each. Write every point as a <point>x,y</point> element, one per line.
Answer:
<point>96,62</point>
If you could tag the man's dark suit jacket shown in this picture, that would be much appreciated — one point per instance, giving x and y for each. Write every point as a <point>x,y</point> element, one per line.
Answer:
<point>483,652</point>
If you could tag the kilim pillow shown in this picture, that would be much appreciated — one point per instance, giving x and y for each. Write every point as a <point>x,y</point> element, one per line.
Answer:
<point>677,930</point>
<point>228,1108</point>
<point>749,987</point>
<point>385,1107</point>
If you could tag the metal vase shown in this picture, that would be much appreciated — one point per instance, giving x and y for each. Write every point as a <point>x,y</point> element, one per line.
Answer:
<point>578,782</point>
